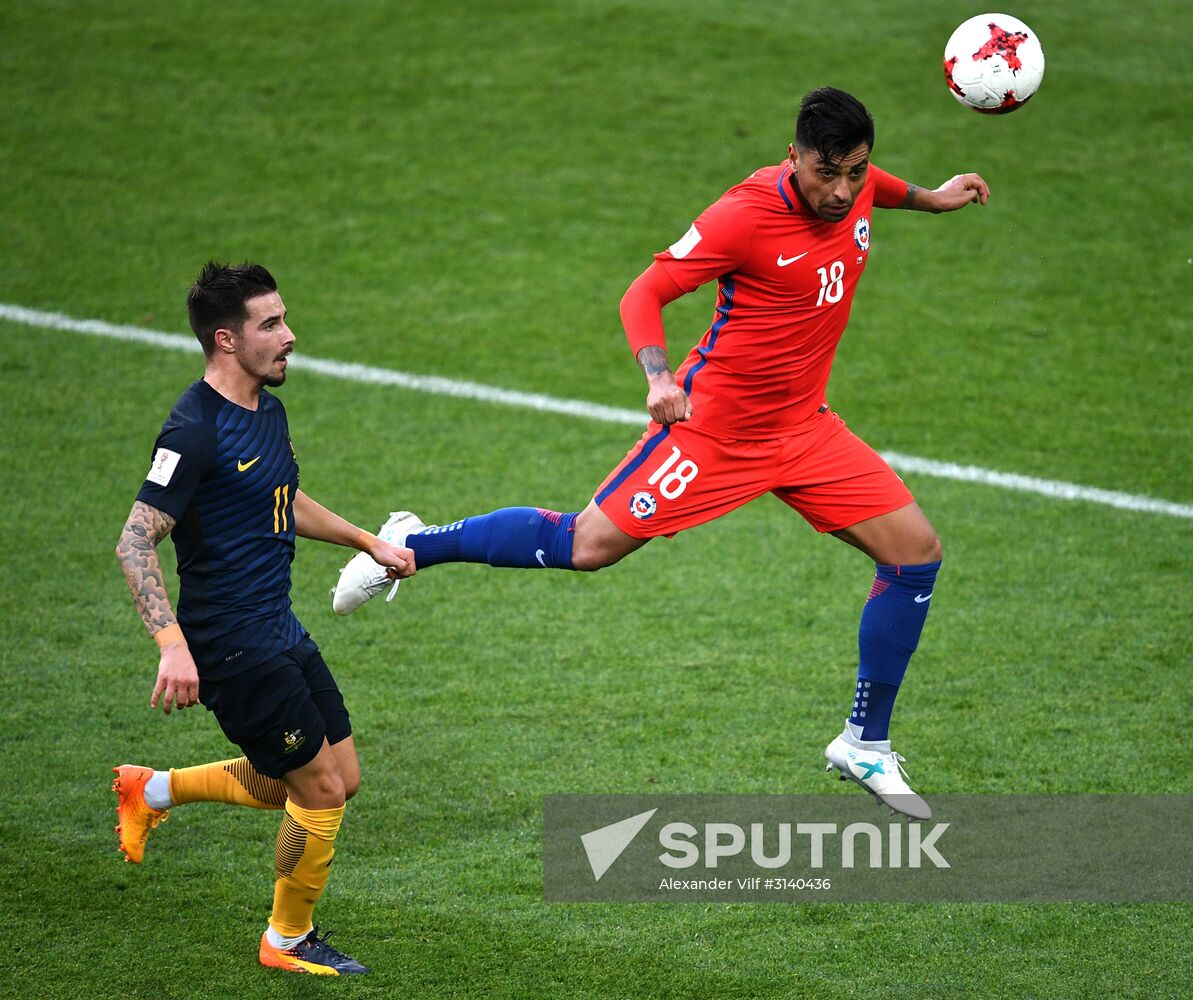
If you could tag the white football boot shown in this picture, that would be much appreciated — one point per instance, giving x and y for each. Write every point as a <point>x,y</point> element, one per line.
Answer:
<point>363,579</point>
<point>879,773</point>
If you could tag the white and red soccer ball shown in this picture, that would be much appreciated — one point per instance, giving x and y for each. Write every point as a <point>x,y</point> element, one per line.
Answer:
<point>993,63</point>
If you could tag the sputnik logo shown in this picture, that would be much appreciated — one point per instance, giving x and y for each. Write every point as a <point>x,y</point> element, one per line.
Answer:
<point>604,846</point>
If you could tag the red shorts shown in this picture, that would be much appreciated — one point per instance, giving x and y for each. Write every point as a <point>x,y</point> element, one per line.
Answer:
<point>677,477</point>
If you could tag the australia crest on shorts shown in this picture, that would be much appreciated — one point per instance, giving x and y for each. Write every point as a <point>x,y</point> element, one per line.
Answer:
<point>643,504</point>
<point>861,233</point>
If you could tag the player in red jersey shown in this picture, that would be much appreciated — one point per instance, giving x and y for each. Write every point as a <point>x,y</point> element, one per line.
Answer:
<point>746,414</point>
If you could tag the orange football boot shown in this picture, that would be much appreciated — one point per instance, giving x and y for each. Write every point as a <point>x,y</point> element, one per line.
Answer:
<point>313,955</point>
<point>134,818</point>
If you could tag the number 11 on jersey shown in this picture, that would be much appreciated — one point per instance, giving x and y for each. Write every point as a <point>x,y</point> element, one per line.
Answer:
<point>281,500</point>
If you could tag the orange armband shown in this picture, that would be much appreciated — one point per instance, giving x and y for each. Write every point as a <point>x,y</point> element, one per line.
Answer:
<point>171,633</point>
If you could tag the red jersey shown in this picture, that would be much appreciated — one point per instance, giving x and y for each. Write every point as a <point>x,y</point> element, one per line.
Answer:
<point>786,280</point>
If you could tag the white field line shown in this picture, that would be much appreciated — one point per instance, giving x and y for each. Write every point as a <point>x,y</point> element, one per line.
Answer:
<point>1053,489</point>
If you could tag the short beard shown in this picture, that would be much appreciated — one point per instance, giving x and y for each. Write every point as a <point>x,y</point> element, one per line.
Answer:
<point>273,381</point>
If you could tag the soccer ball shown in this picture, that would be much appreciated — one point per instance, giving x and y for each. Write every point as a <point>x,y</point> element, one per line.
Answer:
<point>993,63</point>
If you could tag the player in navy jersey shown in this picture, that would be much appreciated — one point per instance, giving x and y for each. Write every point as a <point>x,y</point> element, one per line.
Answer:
<point>224,484</point>
<point>747,414</point>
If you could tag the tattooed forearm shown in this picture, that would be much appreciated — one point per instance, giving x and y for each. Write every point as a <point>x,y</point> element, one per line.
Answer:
<point>909,200</point>
<point>653,361</point>
<point>137,552</point>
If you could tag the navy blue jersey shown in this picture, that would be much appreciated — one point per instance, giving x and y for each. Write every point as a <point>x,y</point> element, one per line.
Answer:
<point>229,477</point>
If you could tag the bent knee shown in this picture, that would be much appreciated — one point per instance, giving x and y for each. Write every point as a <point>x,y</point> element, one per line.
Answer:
<point>351,787</point>
<point>333,799</point>
<point>933,551</point>
<point>591,552</point>
<point>329,793</point>
<point>590,559</point>
<point>597,542</point>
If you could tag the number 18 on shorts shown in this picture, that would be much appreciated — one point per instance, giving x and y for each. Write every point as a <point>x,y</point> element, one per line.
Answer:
<point>677,477</point>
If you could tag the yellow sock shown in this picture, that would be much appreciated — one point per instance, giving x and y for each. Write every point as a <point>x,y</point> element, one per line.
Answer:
<point>232,781</point>
<point>303,858</point>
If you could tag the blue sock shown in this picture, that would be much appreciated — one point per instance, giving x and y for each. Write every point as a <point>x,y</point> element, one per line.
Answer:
<point>521,537</point>
<point>889,633</point>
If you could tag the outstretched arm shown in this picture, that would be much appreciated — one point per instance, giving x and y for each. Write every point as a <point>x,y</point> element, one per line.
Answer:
<point>313,520</point>
<point>177,677</point>
<point>955,193</point>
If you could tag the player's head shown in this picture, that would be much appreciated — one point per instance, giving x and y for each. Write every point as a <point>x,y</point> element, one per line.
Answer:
<point>834,135</point>
<point>218,298</point>
<point>236,313</point>
<point>833,124</point>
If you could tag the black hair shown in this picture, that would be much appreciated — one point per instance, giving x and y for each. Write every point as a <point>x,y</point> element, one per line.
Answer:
<point>833,123</point>
<point>218,296</point>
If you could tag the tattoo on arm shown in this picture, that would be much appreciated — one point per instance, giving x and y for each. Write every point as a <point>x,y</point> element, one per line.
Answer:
<point>909,200</point>
<point>653,361</point>
<point>137,551</point>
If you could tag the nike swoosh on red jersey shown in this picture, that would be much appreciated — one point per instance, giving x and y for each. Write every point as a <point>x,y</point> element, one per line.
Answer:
<point>784,261</point>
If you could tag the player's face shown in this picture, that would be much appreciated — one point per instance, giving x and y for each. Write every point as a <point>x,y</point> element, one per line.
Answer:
<point>829,188</point>
<point>265,341</point>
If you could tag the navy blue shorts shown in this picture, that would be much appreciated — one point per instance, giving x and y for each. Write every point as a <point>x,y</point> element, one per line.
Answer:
<point>280,712</point>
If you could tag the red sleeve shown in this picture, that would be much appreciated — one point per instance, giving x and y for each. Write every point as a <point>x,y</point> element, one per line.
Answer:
<point>642,308</point>
<point>715,244</point>
<point>889,191</point>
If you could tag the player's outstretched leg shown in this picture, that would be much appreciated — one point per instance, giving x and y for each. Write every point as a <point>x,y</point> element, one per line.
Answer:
<point>135,817</point>
<point>523,537</point>
<point>362,579</point>
<point>513,537</point>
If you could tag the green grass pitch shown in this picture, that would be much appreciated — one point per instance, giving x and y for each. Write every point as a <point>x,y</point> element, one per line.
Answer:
<point>465,190</point>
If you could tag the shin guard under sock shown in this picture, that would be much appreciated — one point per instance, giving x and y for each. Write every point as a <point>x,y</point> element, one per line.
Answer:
<point>892,621</point>
<point>303,859</point>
